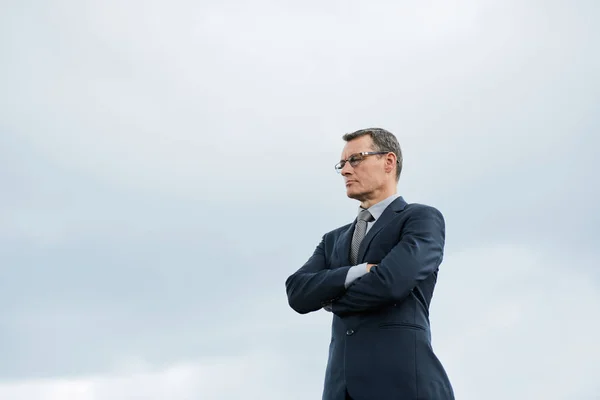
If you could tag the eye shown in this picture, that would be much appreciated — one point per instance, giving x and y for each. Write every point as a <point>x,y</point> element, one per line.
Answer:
<point>355,159</point>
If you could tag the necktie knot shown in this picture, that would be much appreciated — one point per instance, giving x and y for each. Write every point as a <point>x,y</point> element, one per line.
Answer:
<point>365,215</point>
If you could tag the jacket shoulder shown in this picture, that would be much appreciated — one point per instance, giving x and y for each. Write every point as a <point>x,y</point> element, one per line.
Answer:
<point>419,208</point>
<point>336,232</point>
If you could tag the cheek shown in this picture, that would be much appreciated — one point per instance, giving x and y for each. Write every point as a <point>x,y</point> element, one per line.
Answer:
<point>361,179</point>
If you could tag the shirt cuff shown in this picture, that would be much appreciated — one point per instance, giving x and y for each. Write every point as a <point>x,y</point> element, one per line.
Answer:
<point>355,272</point>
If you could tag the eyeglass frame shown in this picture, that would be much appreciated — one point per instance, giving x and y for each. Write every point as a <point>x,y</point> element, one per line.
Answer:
<point>342,163</point>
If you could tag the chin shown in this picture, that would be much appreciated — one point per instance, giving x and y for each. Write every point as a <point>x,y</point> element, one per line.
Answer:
<point>354,195</point>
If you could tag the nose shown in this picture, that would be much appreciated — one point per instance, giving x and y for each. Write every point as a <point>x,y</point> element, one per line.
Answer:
<point>346,169</point>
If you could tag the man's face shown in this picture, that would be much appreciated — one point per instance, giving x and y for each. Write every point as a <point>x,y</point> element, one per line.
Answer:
<point>368,176</point>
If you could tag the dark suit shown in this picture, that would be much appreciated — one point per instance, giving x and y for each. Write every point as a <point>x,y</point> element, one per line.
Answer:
<point>381,344</point>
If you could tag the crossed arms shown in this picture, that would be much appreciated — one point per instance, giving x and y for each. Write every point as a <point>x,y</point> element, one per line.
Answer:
<point>417,255</point>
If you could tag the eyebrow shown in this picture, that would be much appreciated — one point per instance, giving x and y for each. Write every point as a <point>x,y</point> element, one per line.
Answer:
<point>353,154</point>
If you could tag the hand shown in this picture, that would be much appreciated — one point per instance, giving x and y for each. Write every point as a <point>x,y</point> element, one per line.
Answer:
<point>369,266</point>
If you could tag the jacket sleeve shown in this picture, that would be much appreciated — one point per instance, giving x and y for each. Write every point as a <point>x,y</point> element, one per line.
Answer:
<point>417,255</point>
<point>314,284</point>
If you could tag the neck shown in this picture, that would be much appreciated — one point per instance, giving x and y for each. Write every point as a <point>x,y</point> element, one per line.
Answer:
<point>378,196</point>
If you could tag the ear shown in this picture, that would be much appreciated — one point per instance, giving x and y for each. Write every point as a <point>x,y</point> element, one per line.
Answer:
<point>390,163</point>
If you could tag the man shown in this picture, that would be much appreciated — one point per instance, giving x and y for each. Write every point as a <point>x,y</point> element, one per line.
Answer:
<point>377,276</point>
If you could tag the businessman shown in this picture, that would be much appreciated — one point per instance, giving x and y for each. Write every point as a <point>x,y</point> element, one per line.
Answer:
<point>376,276</point>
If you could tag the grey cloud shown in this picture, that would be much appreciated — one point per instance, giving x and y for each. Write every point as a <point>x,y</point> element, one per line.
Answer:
<point>165,168</point>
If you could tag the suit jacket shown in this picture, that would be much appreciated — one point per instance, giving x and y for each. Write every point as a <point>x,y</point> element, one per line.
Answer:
<point>380,342</point>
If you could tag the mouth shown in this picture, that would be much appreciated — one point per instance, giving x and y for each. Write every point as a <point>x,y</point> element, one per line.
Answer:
<point>350,183</point>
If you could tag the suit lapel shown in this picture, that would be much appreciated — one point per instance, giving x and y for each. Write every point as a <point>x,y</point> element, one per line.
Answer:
<point>344,244</point>
<point>385,218</point>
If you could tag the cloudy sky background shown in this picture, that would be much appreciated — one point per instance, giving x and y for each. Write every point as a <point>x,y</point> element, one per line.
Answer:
<point>164,167</point>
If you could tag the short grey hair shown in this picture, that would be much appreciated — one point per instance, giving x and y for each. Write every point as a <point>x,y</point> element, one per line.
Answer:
<point>382,141</point>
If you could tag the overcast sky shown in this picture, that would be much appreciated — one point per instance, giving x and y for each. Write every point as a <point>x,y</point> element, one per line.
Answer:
<point>164,166</point>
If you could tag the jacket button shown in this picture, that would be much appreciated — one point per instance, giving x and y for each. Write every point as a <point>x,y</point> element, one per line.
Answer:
<point>349,332</point>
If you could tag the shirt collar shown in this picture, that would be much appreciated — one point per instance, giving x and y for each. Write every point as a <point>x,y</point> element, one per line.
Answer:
<point>377,209</point>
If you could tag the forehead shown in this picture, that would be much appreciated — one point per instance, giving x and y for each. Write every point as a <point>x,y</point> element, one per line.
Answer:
<point>363,143</point>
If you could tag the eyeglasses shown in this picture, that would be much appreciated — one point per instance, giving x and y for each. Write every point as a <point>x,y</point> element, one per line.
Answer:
<point>355,159</point>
